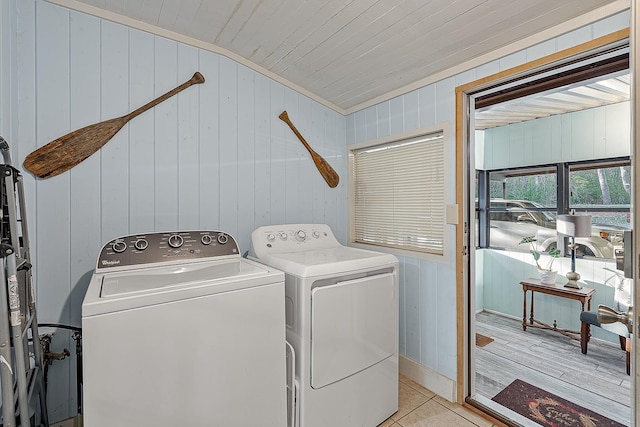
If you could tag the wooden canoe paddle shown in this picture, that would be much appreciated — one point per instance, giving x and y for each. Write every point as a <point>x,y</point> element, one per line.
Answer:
<point>63,153</point>
<point>330,176</point>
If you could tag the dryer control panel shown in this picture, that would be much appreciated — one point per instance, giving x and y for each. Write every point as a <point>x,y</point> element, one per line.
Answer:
<point>275,239</point>
<point>148,248</point>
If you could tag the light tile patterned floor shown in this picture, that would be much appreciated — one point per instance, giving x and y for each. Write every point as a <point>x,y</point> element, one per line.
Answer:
<point>419,407</point>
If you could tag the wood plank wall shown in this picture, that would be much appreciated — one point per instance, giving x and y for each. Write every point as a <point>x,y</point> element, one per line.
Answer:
<point>595,133</point>
<point>216,156</point>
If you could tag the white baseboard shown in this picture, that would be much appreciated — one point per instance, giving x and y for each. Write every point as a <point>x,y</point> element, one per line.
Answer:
<point>508,316</point>
<point>428,378</point>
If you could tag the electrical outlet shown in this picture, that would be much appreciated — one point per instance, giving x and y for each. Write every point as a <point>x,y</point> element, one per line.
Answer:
<point>451,213</point>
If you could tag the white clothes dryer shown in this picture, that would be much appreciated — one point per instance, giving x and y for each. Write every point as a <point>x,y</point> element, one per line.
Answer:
<point>342,322</point>
<point>180,330</point>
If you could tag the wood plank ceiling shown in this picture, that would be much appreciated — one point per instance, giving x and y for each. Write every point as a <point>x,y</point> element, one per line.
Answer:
<point>589,94</point>
<point>349,52</point>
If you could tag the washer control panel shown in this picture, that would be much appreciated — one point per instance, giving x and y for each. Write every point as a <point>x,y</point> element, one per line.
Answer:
<point>141,249</point>
<point>292,237</point>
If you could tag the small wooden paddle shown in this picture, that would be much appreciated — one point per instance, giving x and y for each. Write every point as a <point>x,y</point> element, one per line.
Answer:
<point>63,153</point>
<point>330,176</point>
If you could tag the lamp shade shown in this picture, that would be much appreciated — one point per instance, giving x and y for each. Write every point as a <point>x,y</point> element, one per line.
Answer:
<point>574,225</point>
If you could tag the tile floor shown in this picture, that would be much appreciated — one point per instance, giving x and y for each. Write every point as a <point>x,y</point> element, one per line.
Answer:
<point>419,407</point>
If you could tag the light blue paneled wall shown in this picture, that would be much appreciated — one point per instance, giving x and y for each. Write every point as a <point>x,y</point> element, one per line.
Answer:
<point>502,292</point>
<point>427,289</point>
<point>427,292</point>
<point>215,156</point>
<point>595,133</point>
<point>7,67</point>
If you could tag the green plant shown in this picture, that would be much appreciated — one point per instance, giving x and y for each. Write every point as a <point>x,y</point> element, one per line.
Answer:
<point>553,252</point>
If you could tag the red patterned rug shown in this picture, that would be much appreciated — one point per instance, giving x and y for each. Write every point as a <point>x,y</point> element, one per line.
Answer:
<point>548,409</point>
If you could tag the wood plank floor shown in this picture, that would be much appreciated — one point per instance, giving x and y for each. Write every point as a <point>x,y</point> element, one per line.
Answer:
<point>553,362</point>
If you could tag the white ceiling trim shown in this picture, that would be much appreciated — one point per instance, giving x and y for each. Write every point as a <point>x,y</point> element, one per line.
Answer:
<point>603,12</point>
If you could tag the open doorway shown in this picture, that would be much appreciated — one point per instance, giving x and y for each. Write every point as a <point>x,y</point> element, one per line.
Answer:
<point>546,141</point>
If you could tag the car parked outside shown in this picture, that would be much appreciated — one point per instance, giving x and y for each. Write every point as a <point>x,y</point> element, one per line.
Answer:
<point>511,220</point>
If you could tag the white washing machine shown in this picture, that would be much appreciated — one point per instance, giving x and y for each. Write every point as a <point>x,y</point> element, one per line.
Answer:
<point>342,321</point>
<point>180,330</point>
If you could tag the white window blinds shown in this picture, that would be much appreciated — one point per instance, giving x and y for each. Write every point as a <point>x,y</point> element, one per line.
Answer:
<point>399,194</point>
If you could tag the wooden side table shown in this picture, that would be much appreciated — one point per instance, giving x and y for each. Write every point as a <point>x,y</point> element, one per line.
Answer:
<point>583,295</point>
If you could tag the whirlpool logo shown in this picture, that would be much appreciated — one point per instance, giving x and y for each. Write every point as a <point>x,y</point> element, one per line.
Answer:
<point>106,263</point>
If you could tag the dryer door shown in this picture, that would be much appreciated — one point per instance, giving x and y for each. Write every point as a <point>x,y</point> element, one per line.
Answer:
<point>354,325</point>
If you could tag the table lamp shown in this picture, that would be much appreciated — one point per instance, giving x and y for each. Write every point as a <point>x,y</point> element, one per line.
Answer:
<point>573,226</point>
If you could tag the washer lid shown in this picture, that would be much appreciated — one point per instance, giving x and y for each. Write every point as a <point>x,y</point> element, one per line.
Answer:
<point>120,284</point>
<point>328,261</point>
<point>122,290</point>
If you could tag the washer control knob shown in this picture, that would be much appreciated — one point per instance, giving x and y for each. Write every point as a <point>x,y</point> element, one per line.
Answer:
<point>283,235</point>
<point>175,241</point>
<point>271,237</point>
<point>206,239</point>
<point>301,236</point>
<point>315,235</point>
<point>141,244</point>
<point>222,238</point>
<point>119,246</point>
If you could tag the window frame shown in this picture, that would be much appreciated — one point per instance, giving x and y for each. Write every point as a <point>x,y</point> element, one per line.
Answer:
<point>447,231</point>
<point>562,170</point>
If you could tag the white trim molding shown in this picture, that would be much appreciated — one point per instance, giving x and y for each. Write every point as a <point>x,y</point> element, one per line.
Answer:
<point>429,379</point>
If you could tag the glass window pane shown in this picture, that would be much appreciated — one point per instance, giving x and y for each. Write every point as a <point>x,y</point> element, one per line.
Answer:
<point>524,203</point>
<point>606,186</point>
<point>605,193</point>
<point>539,188</point>
<point>522,206</point>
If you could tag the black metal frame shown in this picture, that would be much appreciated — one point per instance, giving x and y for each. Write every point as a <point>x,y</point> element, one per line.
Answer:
<point>562,171</point>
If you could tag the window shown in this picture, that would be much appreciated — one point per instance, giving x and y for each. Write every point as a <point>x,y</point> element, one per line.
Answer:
<point>398,193</point>
<point>602,190</point>
<point>516,203</point>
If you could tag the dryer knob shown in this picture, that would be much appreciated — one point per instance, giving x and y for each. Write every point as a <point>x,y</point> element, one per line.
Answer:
<point>175,241</point>
<point>301,236</point>
<point>222,238</point>
<point>206,239</point>
<point>283,236</point>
